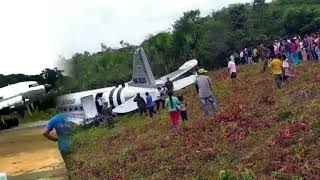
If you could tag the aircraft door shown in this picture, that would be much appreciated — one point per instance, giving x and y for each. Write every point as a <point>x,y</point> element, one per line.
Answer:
<point>89,106</point>
<point>99,102</point>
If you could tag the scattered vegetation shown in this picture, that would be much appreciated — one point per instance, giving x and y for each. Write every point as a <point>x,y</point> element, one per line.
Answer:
<point>250,137</point>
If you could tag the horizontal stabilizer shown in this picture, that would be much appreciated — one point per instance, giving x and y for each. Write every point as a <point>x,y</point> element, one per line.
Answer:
<point>130,105</point>
<point>182,71</point>
<point>126,107</point>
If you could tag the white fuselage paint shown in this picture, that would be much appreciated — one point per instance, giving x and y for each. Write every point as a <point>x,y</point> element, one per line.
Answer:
<point>115,96</point>
<point>13,94</point>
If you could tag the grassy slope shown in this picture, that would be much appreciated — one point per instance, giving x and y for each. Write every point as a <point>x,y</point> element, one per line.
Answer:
<point>273,133</point>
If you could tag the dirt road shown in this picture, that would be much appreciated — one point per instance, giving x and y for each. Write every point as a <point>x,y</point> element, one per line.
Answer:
<point>26,154</point>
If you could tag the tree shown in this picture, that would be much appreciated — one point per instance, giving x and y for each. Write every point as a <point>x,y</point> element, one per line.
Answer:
<point>52,76</point>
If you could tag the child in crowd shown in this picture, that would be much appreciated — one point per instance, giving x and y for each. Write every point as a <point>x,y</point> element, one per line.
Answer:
<point>183,108</point>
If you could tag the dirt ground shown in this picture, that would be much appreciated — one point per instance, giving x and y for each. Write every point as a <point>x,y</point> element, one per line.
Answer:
<point>26,154</point>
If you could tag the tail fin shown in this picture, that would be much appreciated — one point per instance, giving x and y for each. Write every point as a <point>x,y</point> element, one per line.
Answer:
<point>142,75</point>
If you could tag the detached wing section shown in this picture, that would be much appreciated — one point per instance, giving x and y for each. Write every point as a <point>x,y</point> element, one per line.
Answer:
<point>181,83</point>
<point>17,100</point>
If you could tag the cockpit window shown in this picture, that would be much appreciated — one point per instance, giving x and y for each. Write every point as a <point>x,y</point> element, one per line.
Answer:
<point>1,98</point>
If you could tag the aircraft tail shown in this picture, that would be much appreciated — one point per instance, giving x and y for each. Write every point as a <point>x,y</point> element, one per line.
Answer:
<point>142,75</point>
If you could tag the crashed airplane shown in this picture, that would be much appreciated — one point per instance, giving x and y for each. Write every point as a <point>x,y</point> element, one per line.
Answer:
<point>18,97</point>
<point>121,97</point>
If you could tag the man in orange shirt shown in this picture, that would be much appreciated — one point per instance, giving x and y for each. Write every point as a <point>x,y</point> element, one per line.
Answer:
<point>275,65</point>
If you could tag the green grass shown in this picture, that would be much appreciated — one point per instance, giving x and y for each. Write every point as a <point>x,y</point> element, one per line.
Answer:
<point>259,132</point>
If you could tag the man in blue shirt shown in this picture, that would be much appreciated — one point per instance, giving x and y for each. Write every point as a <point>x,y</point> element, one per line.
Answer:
<point>149,104</point>
<point>63,129</point>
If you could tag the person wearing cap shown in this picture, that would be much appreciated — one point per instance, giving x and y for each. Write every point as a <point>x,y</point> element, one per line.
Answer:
<point>107,114</point>
<point>232,68</point>
<point>204,90</point>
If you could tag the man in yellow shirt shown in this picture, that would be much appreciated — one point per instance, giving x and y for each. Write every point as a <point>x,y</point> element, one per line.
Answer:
<point>275,65</point>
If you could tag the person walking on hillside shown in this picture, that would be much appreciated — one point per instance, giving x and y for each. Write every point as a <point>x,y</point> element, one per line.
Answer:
<point>232,68</point>
<point>276,68</point>
<point>63,127</point>
<point>107,115</point>
<point>160,100</point>
<point>150,105</point>
<point>203,87</point>
<point>172,104</point>
<point>309,42</point>
<point>304,55</point>
<point>293,50</point>
<point>141,104</point>
<point>317,50</point>
<point>264,52</point>
<point>169,85</point>
<point>183,108</point>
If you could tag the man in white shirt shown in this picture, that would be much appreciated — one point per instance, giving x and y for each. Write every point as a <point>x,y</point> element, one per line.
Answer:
<point>232,68</point>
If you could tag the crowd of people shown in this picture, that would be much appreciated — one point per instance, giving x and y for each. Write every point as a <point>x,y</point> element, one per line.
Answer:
<point>279,55</point>
<point>306,48</point>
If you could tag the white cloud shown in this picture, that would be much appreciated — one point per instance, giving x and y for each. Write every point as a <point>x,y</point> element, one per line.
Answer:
<point>33,33</point>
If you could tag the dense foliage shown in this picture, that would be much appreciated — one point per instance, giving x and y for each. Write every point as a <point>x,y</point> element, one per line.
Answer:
<point>52,77</point>
<point>210,39</point>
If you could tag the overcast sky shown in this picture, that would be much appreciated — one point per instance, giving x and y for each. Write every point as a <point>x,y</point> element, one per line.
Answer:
<point>34,33</point>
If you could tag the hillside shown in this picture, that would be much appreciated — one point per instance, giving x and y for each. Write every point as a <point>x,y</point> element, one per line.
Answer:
<point>259,129</point>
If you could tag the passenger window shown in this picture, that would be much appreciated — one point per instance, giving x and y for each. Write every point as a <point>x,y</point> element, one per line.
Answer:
<point>65,110</point>
<point>81,108</point>
<point>76,108</point>
<point>70,109</point>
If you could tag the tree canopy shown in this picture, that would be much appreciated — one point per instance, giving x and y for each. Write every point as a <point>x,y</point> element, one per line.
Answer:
<point>210,40</point>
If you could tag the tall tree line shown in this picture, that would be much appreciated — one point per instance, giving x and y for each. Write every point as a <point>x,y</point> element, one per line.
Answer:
<point>210,40</point>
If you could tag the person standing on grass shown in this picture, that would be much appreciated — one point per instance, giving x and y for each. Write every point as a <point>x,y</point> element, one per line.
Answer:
<point>304,55</point>
<point>183,109</point>
<point>264,52</point>
<point>160,100</point>
<point>169,85</point>
<point>63,127</point>
<point>232,68</point>
<point>203,87</point>
<point>172,104</point>
<point>141,104</point>
<point>285,66</point>
<point>275,66</point>
<point>107,115</point>
<point>150,105</point>
<point>293,49</point>
<point>317,50</point>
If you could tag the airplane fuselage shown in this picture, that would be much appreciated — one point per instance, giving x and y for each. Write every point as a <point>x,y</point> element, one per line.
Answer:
<point>115,96</point>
